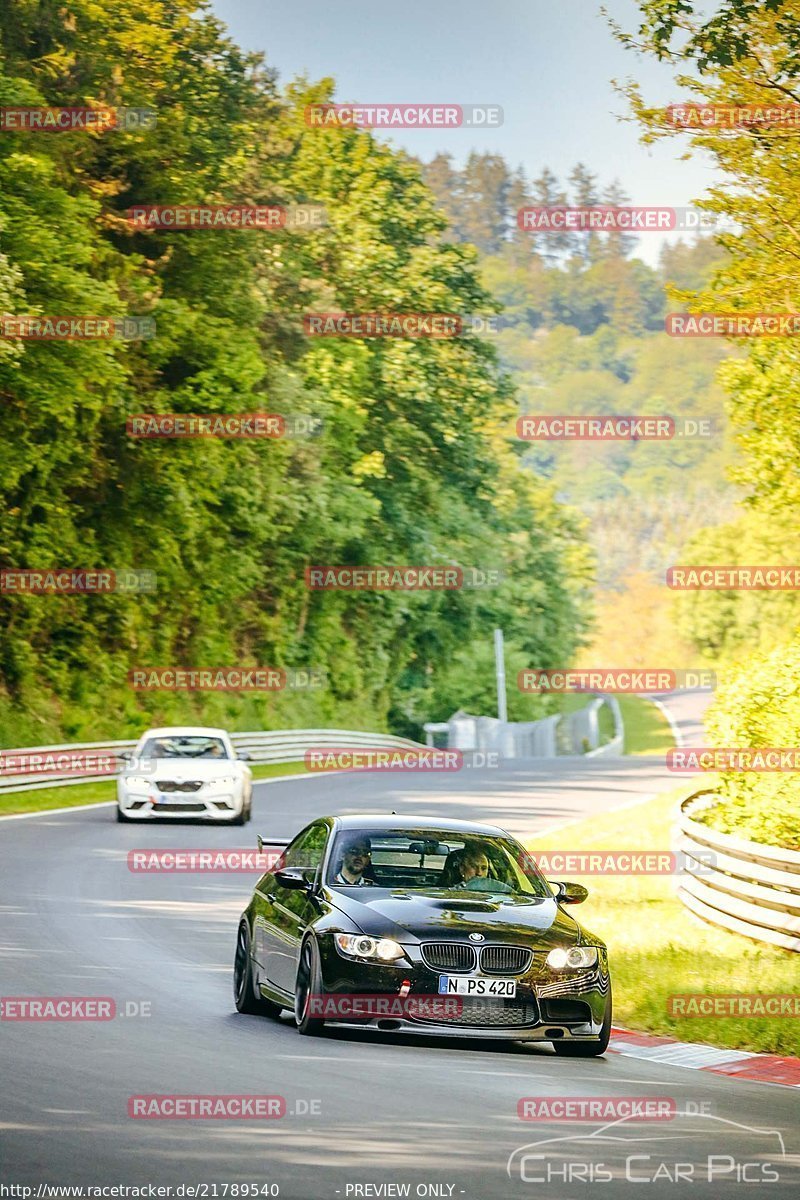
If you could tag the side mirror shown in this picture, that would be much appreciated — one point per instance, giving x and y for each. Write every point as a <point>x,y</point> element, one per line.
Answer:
<point>293,878</point>
<point>243,756</point>
<point>125,756</point>
<point>570,893</point>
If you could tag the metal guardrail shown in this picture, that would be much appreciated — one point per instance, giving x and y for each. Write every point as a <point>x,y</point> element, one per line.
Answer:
<point>743,886</point>
<point>264,746</point>
<point>579,732</point>
<point>571,733</point>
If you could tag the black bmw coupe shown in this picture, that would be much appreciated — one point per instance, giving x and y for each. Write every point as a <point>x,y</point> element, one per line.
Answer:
<point>442,927</point>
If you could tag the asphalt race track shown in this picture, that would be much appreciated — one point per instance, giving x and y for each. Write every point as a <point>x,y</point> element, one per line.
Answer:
<point>363,1110</point>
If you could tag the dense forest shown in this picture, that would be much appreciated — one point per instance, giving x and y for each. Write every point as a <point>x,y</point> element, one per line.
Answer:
<point>582,332</point>
<point>416,462</point>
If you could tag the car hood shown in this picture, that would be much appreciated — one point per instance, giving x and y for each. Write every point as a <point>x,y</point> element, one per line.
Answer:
<point>396,913</point>
<point>183,769</point>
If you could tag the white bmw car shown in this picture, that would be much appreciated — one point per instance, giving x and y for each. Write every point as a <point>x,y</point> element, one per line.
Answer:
<point>185,772</point>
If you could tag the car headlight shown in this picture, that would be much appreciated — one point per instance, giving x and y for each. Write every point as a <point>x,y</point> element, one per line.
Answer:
<point>358,945</point>
<point>135,784</point>
<point>578,956</point>
<point>228,781</point>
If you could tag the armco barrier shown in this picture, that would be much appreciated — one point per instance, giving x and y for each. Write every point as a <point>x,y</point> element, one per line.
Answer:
<point>272,746</point>
<point>579,732</point>
<point>747,887</point>
<point>572,733</point>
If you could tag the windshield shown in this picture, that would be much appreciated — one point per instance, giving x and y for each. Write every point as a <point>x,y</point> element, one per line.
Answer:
<point>193,746</point>
<point>427,860</point>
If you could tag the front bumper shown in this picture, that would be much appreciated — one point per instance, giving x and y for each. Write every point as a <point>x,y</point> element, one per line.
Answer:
<point>219,808</point>
<point>549,1005</point>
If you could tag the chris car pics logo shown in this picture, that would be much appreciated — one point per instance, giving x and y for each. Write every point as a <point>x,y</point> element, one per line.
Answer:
<point>692,1147</point>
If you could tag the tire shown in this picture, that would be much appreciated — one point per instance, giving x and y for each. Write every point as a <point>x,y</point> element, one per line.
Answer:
<point>239,819</point>
<point>121,818</point>
<point>244,994</point>
<point>308,984</point>
<point>592,1047</point>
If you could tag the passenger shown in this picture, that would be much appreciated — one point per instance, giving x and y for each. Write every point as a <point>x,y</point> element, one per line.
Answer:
<point>356,865</point>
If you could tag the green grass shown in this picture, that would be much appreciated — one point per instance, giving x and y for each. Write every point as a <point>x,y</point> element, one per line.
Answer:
<point>605,724</point>
<point>570,702</point>
<point>657,948</point>
<point>105,790</point>
<point>647,730</point>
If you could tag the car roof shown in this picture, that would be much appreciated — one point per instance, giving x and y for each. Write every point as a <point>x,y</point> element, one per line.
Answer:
<point>185,731</point>
<point>396,821</point>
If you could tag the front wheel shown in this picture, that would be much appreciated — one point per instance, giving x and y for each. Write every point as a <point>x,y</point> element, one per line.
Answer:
<point>591,1048</point>
<point>121,818</point>
<point>244,993</point>
<point>307,987</point>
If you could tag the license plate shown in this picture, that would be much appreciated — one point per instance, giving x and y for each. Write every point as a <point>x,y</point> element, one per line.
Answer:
<point>459,985</point>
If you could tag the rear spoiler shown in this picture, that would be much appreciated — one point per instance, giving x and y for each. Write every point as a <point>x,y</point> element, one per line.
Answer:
<point>262,842</point>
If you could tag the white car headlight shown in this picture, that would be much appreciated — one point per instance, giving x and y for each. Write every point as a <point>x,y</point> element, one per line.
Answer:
<point>577,956</point>
<point>136,784</point>
<point>228,781</point>
<point>358,945</point>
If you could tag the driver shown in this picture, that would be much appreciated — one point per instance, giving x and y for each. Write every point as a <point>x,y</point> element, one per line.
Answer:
<point>474,864</point>
<point>356,859</point>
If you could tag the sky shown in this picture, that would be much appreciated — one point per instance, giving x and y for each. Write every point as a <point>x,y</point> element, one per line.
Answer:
<point>549,65</point>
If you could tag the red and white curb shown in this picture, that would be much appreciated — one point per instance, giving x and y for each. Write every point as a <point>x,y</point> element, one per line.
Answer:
<point>741,1064</point>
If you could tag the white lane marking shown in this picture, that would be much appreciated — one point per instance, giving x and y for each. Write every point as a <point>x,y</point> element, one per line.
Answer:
<point>673,724</point>
<point>626,1079</point>
<point>56,812</point>
<point>505,1074</point>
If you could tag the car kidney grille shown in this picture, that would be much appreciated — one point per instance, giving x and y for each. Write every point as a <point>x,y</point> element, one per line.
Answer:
<point>479,1011</point>
<point>174,785</point>
<point>449,956</point>
<point>505,960</point>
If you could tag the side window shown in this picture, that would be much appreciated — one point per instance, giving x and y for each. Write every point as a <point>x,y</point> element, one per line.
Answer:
<point>307,849</point>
